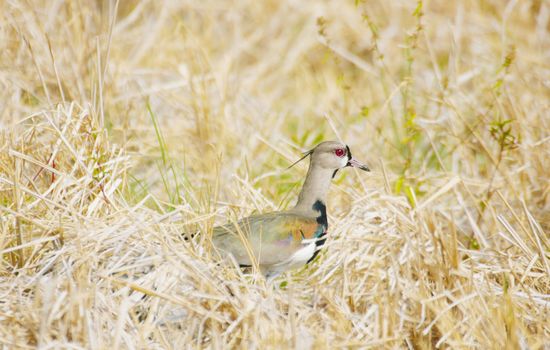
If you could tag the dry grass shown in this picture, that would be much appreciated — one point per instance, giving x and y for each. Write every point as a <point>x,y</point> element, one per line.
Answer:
<point>120,133</point>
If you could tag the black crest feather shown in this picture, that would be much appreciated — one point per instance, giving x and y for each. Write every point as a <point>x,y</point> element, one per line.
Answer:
<point>308,153</point>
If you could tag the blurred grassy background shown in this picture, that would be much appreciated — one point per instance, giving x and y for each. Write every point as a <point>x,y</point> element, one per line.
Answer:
<point>197,108</point>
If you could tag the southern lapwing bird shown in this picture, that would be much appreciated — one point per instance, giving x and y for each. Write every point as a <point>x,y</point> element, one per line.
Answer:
<point>283,240</point>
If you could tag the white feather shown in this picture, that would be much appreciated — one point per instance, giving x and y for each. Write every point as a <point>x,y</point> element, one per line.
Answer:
<point>304,254</point>
<point>299,258</point>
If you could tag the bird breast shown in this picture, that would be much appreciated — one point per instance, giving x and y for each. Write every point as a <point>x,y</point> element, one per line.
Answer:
<point>303,255</point>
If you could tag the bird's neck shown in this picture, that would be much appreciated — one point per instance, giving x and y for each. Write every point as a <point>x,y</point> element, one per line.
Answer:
<point>312,197</point>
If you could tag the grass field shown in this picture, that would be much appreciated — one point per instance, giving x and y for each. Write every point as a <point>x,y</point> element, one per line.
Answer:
<point>125,124</point>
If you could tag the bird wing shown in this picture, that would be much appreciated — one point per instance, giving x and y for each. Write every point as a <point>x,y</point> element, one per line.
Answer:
<point>273,237</point>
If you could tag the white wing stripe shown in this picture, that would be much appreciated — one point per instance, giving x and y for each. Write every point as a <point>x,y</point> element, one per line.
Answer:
<point>314,240</point>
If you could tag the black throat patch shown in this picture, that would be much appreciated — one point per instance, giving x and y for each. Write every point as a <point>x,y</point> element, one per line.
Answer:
<point>322,209</point>
<point>322,220</point>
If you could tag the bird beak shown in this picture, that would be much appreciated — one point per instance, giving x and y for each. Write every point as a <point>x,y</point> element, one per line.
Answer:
<point>357,164</point>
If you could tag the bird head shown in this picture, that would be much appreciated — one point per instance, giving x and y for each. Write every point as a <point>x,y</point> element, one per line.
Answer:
<point>333,155</point>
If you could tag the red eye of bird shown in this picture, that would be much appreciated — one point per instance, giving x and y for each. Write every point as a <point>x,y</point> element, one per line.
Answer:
<point>340,152</point>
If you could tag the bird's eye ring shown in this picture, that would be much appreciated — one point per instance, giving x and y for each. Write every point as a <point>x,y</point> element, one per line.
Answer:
<point>340,152</point>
